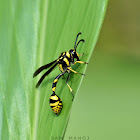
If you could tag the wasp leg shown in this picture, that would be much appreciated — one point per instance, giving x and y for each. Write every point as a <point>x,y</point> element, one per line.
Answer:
<point>81,62</point>
<point>75,71</point>
<point>69,86</point>
<point>81,54</point>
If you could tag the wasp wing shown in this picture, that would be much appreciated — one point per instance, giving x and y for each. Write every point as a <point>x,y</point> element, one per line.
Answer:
<point>44,75</point>
<point>42,68</point>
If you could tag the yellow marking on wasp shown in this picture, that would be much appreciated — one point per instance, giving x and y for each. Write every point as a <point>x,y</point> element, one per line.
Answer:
<point>60,67</point>
<point>54,104</point>
<point>69,87</point>
<point>66,60</point>
<point>54,97</point>
<point>55,80</point>
<point>53,89</point>
<point>56,110</point>
<point>72,70</point>
<point>60,104</point>
<point>68,54</point>
<point>81,62</point>
<point>63,53</point>
<point>57,107</point>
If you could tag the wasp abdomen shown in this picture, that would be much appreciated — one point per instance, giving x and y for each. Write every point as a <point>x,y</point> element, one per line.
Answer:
<point>55,101</point>
<point>55,104</point>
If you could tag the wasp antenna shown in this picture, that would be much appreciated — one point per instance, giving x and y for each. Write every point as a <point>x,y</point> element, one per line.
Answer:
<point>76,40</point>
<point>79,33</point>
<point>82,40</point>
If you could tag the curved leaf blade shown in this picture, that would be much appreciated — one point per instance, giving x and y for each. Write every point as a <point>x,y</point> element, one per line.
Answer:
<point>34,33</point>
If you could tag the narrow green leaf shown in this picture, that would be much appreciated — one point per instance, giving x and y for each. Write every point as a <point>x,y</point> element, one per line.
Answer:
<point>34,33</point>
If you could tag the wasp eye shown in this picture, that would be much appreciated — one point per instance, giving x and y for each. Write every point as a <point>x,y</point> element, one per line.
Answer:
<point>72,52</point>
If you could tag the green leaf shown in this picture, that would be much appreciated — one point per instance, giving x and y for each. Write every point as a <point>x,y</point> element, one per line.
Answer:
<point>34,33</point>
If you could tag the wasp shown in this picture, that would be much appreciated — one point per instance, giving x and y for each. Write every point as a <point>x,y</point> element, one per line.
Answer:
<point>65,60</point>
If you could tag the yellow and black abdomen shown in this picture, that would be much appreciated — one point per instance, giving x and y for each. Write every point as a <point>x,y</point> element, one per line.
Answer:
<point>55,104</point>
<point>55,101</point>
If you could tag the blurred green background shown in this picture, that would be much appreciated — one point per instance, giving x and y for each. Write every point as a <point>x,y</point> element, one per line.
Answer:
<point>107,106</point>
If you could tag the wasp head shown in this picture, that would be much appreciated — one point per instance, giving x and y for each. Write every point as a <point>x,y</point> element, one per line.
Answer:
<point>74,54</point>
